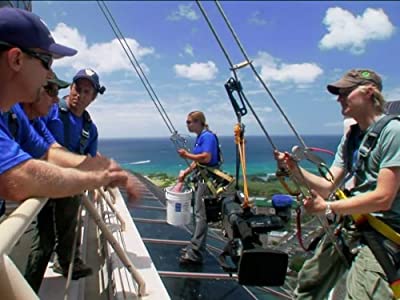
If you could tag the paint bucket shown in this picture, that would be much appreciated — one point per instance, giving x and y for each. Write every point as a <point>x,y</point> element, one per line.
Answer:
<point>178,206</point>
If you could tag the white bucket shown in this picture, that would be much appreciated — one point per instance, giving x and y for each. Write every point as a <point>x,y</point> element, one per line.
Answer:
<point>178,207</point>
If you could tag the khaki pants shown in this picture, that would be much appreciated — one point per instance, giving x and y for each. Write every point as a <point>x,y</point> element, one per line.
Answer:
<point>365,279</point>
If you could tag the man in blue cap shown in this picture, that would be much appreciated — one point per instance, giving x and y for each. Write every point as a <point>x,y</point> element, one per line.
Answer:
<point>27,50</point>
<point>71,125</point>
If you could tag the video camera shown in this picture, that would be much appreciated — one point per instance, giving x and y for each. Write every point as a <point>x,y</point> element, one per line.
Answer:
<point>244,254</point>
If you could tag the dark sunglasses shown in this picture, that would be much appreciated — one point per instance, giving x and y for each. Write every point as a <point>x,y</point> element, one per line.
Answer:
<point>345,92</point>
<point>190,122</point>
<point>51,90</point>
<point>45,59</point>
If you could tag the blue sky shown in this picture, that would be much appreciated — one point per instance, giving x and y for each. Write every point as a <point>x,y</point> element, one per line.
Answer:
<point>298,47</point>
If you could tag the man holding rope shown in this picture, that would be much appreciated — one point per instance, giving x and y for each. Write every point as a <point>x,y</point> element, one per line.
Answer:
<point>376,190</point>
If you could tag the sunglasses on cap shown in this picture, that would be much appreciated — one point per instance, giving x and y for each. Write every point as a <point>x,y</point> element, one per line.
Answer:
<point>45,59</point>
<point>51,90</point>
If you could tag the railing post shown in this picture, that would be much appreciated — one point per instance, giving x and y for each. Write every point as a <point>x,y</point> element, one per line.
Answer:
<point>13,285</point>
<point>111,205</point>
<point>114,243</point>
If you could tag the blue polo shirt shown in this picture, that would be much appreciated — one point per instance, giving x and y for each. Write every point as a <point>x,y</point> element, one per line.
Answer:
<point>42,130</point>
<point>26,136</point>
<point>206,141</point>
<point>11,152</point>
<point>54,123</point>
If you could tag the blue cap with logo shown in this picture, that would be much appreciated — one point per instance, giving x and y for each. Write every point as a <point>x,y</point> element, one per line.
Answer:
<point>92,76</point>
<point>24,29</point>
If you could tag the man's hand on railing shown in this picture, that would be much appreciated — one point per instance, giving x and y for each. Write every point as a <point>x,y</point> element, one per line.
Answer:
<point>112,174</point>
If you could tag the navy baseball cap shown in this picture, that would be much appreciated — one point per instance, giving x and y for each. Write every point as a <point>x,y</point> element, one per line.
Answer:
<point>24,29</point>
<point>92,76</point>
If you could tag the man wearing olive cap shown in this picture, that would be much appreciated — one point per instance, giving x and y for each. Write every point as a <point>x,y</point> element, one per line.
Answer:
<point>376,190</point>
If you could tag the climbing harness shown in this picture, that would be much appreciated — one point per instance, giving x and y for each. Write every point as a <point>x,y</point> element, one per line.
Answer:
<point>85,133</point>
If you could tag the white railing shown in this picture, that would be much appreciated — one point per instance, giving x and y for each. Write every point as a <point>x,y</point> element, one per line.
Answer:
<point>12,284</point>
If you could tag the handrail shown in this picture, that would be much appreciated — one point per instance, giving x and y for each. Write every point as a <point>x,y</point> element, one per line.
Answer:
<point>12,284</point>
<point>12,228</point>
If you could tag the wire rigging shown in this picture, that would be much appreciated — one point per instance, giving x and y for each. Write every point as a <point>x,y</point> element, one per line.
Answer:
<point>323,221</point>
<point>178,140</point>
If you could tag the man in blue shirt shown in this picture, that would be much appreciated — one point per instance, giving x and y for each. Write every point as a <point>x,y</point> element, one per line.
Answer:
<point>27,50</point>
<point>73,128</point>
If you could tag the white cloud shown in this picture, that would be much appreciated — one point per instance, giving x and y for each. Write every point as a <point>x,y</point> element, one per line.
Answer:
<point>103,57</point>
<point>188,50</point>
<point>183,12</point>
<point>272,69</point>
<point>347,31</point>
<point>256,18</point>
<point>197,71</point>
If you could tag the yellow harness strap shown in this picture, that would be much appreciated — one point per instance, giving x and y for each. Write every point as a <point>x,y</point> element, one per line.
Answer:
<point>375,223</point>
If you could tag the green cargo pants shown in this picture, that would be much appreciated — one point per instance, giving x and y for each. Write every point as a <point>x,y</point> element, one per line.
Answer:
<point>54,231</point>
<point>365,279</point>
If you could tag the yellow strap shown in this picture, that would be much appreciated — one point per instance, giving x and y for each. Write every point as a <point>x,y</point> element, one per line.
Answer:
<point>375,223</point>
<point>218,172</point>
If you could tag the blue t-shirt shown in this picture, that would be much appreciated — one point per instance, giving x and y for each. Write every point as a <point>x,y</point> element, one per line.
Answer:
<point>54,123</point>
<point>207,142</point>
<point>42,130</point>
<point>26,136</point>
<point>11,152</point>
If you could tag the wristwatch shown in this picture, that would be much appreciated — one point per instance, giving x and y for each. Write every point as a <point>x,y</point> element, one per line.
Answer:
<point>329,214</point>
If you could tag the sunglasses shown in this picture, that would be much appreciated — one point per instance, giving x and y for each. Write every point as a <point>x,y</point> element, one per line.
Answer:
<point>45,59</point>
<point>345,92</point>
<point>51,90</point>
<point>190,122</point>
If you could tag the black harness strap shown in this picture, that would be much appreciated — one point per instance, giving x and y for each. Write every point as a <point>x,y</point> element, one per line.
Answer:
<point>12,122</point>
<point>85,134</point>
<point>368,144</point>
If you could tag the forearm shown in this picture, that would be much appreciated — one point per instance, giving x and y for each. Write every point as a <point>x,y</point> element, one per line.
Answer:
<point>202,158</point>
<point>362,204</point>
<point>35,178</point>
<point>62,157</point>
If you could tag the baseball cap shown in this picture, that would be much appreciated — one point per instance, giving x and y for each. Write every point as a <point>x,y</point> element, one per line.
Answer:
<point>92,77</point>
<point>24,29</point>
<point>354,78</point>
<point>60,83</point>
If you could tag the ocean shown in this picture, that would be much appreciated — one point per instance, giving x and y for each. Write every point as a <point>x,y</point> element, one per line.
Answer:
<point>155,155</point>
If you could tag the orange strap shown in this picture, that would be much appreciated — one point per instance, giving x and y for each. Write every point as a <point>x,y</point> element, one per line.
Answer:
<point>240,142</point>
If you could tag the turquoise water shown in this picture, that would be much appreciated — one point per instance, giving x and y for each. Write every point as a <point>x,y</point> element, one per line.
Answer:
<point>151,155</point>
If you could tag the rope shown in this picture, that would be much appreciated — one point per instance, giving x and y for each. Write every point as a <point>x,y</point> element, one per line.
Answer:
<point>239,141</point>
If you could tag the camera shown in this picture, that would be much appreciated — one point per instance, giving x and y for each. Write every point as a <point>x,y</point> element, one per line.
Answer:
<point>244,254</point>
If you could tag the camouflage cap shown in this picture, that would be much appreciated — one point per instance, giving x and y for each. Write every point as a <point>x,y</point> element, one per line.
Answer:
<point>52,78</point>
<point>354,78</point>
